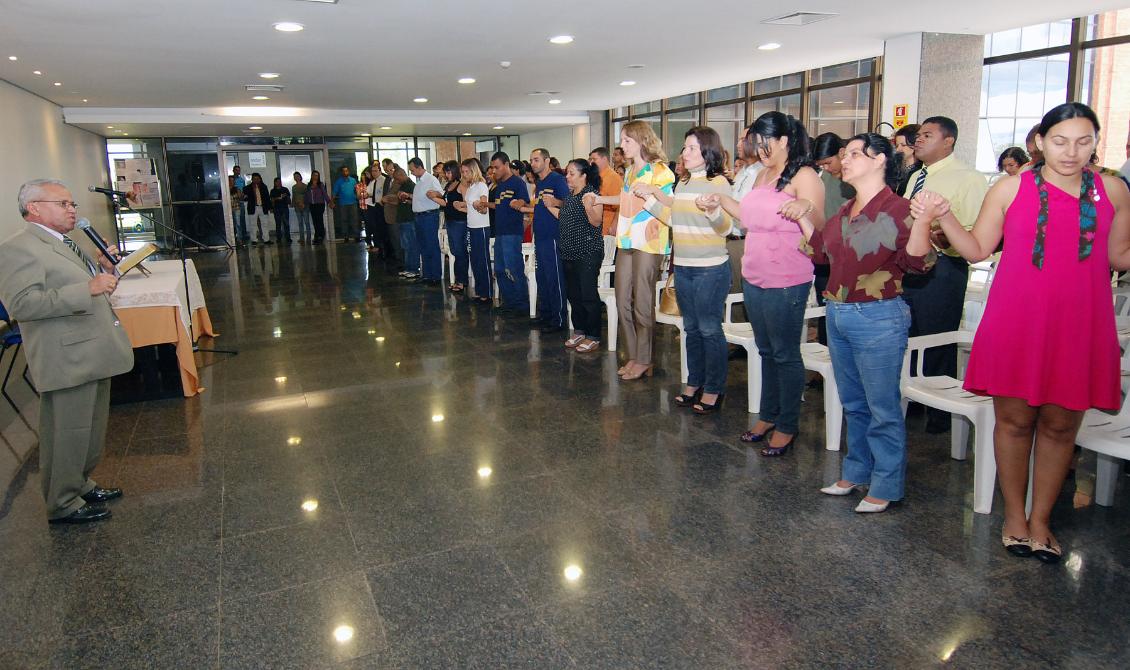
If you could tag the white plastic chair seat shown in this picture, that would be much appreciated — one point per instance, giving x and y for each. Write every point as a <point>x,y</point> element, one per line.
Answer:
<point>818,359</point>
<point>529,260</point>
<point>741,334</point>
<point>676,321</point>
<point>1109,437</point>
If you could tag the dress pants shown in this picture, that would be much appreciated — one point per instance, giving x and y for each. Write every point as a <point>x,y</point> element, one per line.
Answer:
<point>72,434</point>
<point>349,223</point>
<point>318,213</point>
<point>550,276</point>
<point>581,286</point>
<point>408,245</point>
<point>636,274</point>
<point>480,261</point>
<point>427,237</point>
<point>376,231</point>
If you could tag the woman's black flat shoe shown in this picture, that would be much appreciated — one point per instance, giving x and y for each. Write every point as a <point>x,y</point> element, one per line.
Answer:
<point>684,400</point>
<point>771,452</point>
<point>1017,546</point>
<point>702,408</point>
<point>1048,553</point>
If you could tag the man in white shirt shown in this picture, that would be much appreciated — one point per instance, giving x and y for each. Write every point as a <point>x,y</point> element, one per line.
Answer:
<point>426,213</point>
<point>374,210</point>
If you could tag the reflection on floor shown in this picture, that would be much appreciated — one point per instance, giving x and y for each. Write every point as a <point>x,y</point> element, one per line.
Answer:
<point>386,476</point>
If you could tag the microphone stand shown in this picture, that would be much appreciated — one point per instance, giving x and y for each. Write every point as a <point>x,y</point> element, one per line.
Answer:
<point>181,237</point>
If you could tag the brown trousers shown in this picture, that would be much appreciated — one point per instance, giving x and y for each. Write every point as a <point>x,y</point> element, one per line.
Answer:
<point>636,274</point>
<point>72,434</point>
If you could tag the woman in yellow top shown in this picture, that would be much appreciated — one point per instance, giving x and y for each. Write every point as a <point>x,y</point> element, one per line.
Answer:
<point>641,243</point>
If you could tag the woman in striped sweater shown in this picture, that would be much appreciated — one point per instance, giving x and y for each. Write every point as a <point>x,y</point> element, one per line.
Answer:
<point>702,265</point>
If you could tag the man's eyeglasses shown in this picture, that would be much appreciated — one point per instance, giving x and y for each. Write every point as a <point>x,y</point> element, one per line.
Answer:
<point>65,204</point>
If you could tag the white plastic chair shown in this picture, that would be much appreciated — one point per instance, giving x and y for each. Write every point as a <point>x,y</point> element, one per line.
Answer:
<point>448,265</point>
<point>741,334</point>
<point>1109,437</point>
<point>676,321</point>
<point>529,260</point>
<point>945,393</point>
<point>818,359</point>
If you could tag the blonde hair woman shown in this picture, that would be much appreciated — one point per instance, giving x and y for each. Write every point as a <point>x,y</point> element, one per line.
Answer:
<point>475,198</point>
<point>641,242</point>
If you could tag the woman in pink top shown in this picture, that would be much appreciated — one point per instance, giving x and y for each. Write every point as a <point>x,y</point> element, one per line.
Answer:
<point>776,274</point>
<point>1046,349</point>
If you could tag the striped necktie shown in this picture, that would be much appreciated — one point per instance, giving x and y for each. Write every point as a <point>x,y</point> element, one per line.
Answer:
<point>78,252</point>
<point>919,183</point>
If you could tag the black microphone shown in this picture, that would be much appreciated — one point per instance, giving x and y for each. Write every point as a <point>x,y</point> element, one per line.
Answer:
<point>84,226</point>
<point>107,191</point>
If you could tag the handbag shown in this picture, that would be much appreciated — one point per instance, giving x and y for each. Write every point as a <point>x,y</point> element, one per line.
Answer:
<point>667,302</point>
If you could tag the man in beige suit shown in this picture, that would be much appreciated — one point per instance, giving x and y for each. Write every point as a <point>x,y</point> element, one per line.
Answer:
<point>73,342</point>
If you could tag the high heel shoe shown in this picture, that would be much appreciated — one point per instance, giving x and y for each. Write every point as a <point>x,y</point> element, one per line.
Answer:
<point>702,408</point>
<point>750,436</point>
<point>625,368</point>
<point>645,372</point>
<point>865,507</point>
<point>834,489</point>
<point>684,400</point>
<point>771,451</point>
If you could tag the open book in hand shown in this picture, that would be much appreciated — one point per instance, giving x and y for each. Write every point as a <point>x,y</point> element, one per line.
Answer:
<point>134,259</point>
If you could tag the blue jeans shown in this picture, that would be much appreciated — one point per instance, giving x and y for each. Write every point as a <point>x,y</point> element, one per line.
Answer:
<point>777,317</point>
<point>480,261</point>
<point>427,237</point>
<point>408,245</point>
<point>457,242</point>
<point>239,219</point>
<point>701,294</point>
<point>510,271</point>
<point>550,276</point>
<point>282,224</point>
<point>303,216</point>
<point>867,341</point>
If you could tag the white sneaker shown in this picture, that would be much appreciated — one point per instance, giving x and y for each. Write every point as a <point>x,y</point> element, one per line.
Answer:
<point>865,507</point>
<point>834,489</point>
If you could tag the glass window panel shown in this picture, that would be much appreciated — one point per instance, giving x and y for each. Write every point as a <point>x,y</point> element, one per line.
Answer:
<point>726,93</point>
<point>1105,72</point>
<point>688,100</point>
<point>787,104</point>
<point>1002,89</point>
<point>1039,36</point>
<point>775,84</point>
<point>677,126</point>
<point>620,113</point>
<point>843,110</point>
<point>841,72</point>
<point>399,150</point>
<point>646,108</point>
<point>728,121</point>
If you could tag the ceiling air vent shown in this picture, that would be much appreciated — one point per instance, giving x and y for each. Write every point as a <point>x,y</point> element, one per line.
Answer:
<point>799,18</point>
<point>264,87</point>
<point>543,93</point>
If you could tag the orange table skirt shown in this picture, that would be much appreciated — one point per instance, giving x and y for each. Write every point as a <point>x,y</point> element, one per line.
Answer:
<point>147,326</point>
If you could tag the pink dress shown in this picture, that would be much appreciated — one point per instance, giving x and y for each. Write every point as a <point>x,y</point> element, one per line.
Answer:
<point>1048,335</point>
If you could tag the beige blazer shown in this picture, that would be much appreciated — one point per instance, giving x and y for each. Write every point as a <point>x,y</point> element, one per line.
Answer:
<point>70,337</point>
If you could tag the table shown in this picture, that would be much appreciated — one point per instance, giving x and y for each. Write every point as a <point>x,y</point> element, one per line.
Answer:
<point>154,310</point>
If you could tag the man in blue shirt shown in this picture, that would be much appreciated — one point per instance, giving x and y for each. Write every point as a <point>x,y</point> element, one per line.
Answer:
<point>240,216</point>
<point>345,198</point>
<point>509,268</point>
<point>550,191</point>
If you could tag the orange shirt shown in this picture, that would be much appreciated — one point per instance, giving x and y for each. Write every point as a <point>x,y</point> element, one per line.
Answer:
<point>611,183</point>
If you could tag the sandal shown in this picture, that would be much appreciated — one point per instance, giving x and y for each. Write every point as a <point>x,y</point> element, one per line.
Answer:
<point>702,408</point>
<point>572,342</point>
<point>588,345</point>
<point>772,452</point>
<point>750,436</point>
<point>684,400</point>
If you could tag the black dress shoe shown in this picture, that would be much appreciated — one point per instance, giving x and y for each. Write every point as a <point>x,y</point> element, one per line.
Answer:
<point>100,495</point>
<point>84,514</point>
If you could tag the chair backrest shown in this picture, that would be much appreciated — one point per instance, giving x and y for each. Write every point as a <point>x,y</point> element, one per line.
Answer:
<point>731,300</point>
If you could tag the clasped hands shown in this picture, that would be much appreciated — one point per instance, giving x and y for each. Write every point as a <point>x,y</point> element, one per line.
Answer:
<point>928,207</point>
<point>793,210</point>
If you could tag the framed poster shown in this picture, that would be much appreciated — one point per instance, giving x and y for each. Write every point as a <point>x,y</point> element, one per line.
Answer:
<point>257,159</point>
<point>137,178</point>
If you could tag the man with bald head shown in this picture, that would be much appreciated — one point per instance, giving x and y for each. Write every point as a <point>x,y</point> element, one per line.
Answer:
<point>73,343</point>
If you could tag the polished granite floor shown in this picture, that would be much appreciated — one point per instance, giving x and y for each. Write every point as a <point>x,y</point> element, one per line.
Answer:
<point>388,477</point>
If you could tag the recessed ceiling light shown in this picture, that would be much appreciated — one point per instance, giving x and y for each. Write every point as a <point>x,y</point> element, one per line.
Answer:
<point>419,100</point>
<point>84,100</point>
<point>259,97</point>
<point>58,83</point>
<point>627,82</point>
<point>36,72</point>
<point>288,27</point>
<point>255,127</point>
<point>561,39</point>
<point>467,80</point>
<point>769,46</point>
<point>269,75</point>
<point>386,127</point>
<point>837,102</point>
<point>13,58</point>
<point>466,134</point>
<point>366,134</point>
<point>499,127</point>
<point>109,127</point>
<point>555,101</point>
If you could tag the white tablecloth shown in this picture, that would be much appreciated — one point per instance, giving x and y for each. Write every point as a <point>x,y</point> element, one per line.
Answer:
<point>164,288</point>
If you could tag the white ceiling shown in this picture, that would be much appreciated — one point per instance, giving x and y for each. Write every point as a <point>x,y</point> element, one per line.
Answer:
<point>380,54</point>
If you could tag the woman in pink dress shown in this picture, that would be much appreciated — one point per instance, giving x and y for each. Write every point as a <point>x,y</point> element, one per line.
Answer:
<point>1046,349</point>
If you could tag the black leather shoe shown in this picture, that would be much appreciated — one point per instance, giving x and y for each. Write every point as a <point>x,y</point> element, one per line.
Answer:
<point>84,514</point>
<point>100,495</point>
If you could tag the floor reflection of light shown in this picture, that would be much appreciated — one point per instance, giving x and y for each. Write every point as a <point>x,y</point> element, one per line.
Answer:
<point>436,418</point>
<point>309,505</point>
<point>343,308</point>
<point>357,315</point>
<point>343,634</point>
<point>280,380</point>
<point>277,332</point>
<point>1074,564</point>
<point>485,472</point>
<point>381,338</point>
<point>372,332</point>
<point>398,364</point>
<point>573,572</point>
<point>294,441</point>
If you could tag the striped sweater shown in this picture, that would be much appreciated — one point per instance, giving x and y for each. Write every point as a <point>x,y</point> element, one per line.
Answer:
<point>697,241</point>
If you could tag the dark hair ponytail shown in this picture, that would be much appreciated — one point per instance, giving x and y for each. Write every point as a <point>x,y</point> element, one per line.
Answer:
<point>876,145</point>
<point>1066,112</point>
<point>589,170</point>
<point>775,125</point>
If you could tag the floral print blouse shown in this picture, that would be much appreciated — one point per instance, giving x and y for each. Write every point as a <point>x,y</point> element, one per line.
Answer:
<point>868,253</point>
